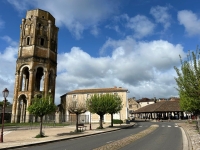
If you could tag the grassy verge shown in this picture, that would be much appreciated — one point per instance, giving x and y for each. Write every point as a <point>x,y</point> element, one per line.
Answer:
<point>33,124</point>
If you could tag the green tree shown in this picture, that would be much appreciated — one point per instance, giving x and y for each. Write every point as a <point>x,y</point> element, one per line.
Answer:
<point>7,103</point>
<point>103,104</point>
<point>188,82</point>
<point>114,105</point>
<point>98,104</point>
<point>41,107</point>
<point>77,108</point>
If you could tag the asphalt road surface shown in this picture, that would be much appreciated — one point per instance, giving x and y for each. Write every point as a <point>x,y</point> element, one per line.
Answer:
<point>167,136</point>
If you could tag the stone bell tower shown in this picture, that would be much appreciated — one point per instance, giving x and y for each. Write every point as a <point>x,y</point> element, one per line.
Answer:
<point>36,65</point>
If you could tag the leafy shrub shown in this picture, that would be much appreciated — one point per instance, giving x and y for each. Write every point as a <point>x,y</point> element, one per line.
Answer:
<point>117,121</point>
<point>40,136</point>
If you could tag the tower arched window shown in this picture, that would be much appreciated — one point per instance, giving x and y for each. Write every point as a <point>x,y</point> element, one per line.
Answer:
<point>28,41</point>
<point>39,79</point>
<point>41,41</point>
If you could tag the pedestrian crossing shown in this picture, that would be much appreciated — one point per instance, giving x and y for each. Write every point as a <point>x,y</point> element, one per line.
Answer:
<point>162,126</point>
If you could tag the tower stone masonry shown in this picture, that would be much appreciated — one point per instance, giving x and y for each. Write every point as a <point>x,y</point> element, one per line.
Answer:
<point>36,65</point>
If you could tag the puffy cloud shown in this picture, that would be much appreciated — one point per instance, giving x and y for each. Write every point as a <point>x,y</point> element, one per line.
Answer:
<point>9,41</point>
<point>145,68</point>
<point>76,15</point>
<point>161,15</point>
<point>7,69</point>
<point>141,26</point>
<point>190,21</point>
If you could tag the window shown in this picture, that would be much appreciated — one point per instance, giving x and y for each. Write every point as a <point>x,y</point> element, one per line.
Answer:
<point>88,96</point>
<point>39,25</point>
<point>42,42</point>
<point>115,93</point>
<point>130,106</point>
<point>28,41</point>
<point>43,17</point>
<point>74,96</point>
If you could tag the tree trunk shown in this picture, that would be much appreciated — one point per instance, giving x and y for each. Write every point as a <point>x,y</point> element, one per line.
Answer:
<point>101,122</point>
<point>111,120</point>
<point>76,122</point>
<point>41,121</point>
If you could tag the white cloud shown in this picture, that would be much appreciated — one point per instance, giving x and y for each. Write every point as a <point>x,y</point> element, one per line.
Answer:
<point>145,68</point>
<point>7,69</point>
<point>190,21</point>
<point>95,31</point>
<point>21,5</point>
<point>161,15</point>
<point>9,41</point>
<point>141,26</point>
<point>76,15</point>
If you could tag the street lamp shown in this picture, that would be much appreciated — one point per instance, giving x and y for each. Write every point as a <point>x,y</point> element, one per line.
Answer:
<point>5,93</point>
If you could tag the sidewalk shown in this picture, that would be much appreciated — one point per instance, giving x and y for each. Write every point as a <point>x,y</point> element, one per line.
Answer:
<point>192,135</point>
<point>21,137</point>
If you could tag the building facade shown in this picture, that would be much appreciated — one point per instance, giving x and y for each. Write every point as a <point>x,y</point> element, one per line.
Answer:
<point>133,105</point>
<point>82,95</point>
<point>36,64</point>
<point>146,101</point>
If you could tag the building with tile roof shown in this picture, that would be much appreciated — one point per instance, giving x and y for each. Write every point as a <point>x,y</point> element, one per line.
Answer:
<point>81,95</point>
<point>163,109</point>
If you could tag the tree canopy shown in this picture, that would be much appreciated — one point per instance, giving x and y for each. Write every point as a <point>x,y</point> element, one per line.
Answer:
<point>102,104</point>
<point>76,107</point>
<point>188,82</point>
<point>114,106</point>
<point>42,106</point>
<point>7,103</point>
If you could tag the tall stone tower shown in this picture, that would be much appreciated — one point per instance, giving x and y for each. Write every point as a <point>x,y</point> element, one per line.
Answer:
<point>36,64</point>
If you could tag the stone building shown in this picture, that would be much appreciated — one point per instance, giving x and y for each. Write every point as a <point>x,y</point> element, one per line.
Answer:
<point>133,105</point>
<point>146,101</point>
<point>82,95</point>
<point>36,64</point>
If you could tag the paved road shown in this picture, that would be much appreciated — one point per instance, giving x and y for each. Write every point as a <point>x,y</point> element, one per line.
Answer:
<point>167,135</point>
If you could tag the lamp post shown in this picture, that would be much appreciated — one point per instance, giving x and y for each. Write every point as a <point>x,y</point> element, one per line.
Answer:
<point>90,117</point>
<point>5,93</point>
<point>90,121</point>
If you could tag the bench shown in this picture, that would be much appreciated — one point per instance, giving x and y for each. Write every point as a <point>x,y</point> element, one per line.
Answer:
<point>81,126</point>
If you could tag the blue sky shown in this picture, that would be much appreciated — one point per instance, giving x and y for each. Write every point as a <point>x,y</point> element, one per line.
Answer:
<point>132,44</point>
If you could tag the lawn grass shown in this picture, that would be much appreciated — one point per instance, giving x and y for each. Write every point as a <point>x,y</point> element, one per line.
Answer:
<point>34,124</point>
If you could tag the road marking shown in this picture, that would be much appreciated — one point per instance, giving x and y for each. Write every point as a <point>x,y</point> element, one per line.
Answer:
<point>118,144</point>
<point>163,126</point>
<point>169,126</point>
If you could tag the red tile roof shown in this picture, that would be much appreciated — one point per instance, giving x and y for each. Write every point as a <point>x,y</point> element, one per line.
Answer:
<point>162,106</point>
<point>97,90</point>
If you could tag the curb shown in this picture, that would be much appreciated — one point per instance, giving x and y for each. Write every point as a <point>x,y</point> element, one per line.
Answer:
<point>188,145</point>
<point>62,139</point>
